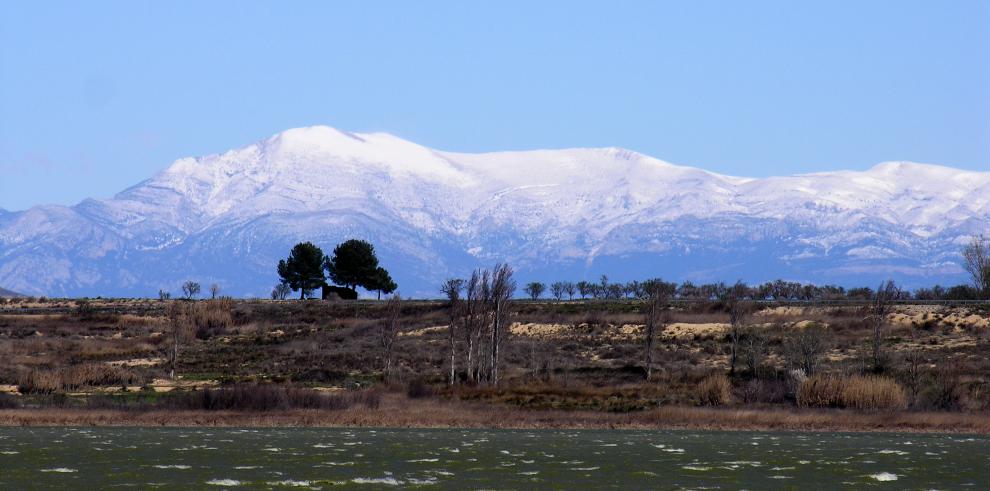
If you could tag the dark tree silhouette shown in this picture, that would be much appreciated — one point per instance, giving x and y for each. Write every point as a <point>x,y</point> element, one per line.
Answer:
<point>303,270</point>
<point>353,264</point>
<point>535,290</point>
<point>382,283</point>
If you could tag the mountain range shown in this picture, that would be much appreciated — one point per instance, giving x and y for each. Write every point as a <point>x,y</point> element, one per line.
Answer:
<point>552,214</point>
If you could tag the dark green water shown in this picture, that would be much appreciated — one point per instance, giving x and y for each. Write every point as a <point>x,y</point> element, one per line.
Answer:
<point>208,458</point>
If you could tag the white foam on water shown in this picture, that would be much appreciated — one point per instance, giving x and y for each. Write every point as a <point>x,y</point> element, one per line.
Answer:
<point>422,460</point>
<point>171,466</point>
<point>697,468</point>
<point>338,463</point>
<point>895,452</point>
<point>783,468</point>
<point>529,473</point>
<point>391,481</point>
<point>585,468</point>
<point>781,477</point>
<point>323,445</point>
<point>271,449</point>
<point>10,452</point>
<point>247,467</point>
<point>422,482</point>
<point>883,476</point>
<point>223,482</point>
<point>291,483</point>
<point>610,444</point>
<point>673,450</point>
<point>442,472</point>
<point>60,469</point>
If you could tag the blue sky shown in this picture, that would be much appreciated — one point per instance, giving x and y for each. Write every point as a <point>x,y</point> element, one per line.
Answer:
<point>97,96</point>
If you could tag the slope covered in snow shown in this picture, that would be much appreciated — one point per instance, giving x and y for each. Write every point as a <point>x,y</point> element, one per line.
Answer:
<point>572,213</point>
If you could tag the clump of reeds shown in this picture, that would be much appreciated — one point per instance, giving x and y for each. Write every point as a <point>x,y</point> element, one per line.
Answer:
<point>76,377</point>
<point>863,392</point>
<point>212,317</point>
<point>714,390</point>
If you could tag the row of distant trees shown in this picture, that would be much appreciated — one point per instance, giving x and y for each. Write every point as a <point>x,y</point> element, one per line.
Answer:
<point>976,262</point>
<point>778,290</point>
<point>354,263</point>
<point>191,290</point>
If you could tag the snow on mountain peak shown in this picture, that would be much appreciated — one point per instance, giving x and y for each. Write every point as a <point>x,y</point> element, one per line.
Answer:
<point>438,212</point>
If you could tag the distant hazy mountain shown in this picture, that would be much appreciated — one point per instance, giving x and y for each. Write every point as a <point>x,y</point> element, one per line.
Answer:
<point>5,293</point>
<point>553,214</point>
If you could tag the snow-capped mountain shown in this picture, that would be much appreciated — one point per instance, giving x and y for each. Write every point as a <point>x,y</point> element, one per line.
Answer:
<point>553,214</point>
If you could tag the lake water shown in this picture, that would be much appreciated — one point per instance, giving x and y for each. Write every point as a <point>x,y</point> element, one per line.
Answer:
<point>211,458</point>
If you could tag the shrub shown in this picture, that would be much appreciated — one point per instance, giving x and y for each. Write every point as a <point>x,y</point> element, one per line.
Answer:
<point>270,398</point>
<point>8,401</point>
<point>940,393</point>
<point>714,390</point>
<point>417,389</point>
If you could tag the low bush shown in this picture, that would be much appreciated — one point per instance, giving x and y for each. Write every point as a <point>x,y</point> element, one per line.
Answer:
<point>417,389</point>
<point>714,390</point>
<point>8,401</point>
<point>270,398</point>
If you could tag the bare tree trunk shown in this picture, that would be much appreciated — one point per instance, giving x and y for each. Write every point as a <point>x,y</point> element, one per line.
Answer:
<point>658,296</point>
<point>503,286</point>
<point>390,329</point>
<point>886,294</point>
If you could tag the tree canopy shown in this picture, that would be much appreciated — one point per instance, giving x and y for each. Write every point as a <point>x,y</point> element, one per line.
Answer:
<point>303,269</point>
<point>354,264</point>
<point>383,282</point>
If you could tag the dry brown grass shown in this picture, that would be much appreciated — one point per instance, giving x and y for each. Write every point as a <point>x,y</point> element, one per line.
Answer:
<point>873,393</point>
<point>866,393</point>
<point>76,377</point>
<point>397,411</point>
<point>714,390</point>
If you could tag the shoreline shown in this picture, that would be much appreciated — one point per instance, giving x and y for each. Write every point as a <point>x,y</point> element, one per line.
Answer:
<point>407,413</point>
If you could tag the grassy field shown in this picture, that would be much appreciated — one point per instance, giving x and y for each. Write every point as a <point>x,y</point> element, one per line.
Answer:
<point>563,364</point>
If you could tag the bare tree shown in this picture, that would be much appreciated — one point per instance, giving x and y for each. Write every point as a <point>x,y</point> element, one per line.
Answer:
<point>179,331</point>
<point>502,289</point>
<point>164,295</point>
<point>734,297</point>
<point>657,315</point>
<point>452,288</point>
<point>389,331</point>
<point>557,290</point>
<point>281,291</point>
<point>570,288</point>
<point>804,348</point>
<point>474,320</point>
<point>534,290</point>
<point>883,302</point>
<point>214,291</point>
<point>755,349</point>
<point>976,257</point>
<point>190,289</point>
